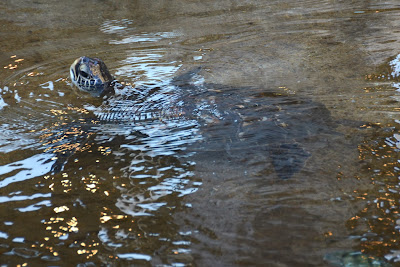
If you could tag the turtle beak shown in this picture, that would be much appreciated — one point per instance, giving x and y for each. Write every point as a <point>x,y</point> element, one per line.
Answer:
<point>73,70</point>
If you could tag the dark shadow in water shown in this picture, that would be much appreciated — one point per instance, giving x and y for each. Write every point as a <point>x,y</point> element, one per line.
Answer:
<point>288,159</point>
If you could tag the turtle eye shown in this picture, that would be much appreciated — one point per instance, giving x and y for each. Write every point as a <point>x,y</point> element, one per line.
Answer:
<point>84,71</point>
<point>84,74</point>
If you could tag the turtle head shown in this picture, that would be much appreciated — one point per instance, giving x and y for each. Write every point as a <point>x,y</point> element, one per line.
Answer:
<point>91,75</point>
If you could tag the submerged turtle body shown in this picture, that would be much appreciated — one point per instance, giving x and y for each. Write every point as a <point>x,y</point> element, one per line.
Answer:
<point>271,123</point>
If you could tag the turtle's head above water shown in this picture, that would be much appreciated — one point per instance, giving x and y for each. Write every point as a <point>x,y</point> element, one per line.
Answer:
<point>91,75</point>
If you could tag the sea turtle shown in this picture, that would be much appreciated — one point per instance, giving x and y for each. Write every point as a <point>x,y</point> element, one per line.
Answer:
<point>91,75</point>
<point>273,123</point>
<point>135,104</point>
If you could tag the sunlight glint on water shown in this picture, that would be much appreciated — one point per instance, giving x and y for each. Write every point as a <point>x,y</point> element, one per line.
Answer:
<point>281,150</point>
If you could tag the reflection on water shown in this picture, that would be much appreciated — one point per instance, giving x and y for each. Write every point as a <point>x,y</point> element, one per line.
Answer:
<point>102,188</point>
<point>376,225</point>
<point>235,139</point>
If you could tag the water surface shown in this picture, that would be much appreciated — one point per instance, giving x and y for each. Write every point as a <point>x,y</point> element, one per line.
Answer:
<point>287,151</point>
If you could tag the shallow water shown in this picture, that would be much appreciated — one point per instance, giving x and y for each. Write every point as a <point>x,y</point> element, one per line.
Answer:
<point>287,149</point>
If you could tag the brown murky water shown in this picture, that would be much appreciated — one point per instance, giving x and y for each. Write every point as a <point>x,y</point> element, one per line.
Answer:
<point>288,151</point>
